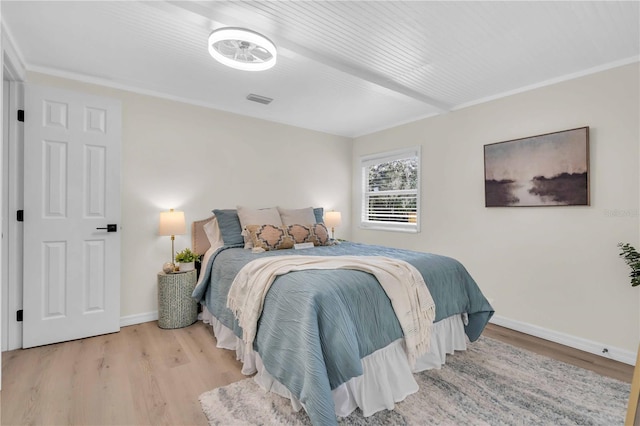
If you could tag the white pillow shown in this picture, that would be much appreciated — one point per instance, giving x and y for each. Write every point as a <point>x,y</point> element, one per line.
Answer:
<point>212,231</point>
<point>205,261</point>
<point>248,216</point>
<point>297,216</point>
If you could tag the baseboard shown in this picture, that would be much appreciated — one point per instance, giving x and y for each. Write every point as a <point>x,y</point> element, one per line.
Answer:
<point>617,354</point>
<point>138,318</point>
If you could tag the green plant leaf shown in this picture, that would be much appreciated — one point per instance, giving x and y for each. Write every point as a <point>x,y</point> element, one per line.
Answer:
<point>632,259</point>
<point>186,256</point>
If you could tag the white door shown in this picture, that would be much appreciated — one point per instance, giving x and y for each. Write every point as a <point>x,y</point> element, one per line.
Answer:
<point>72,193</point>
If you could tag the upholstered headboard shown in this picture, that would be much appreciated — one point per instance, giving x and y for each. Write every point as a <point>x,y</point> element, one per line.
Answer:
<point>199,240</point>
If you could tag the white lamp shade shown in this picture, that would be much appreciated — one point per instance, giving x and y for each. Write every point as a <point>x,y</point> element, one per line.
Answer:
<point>332,219</point>
<point>172,223</point>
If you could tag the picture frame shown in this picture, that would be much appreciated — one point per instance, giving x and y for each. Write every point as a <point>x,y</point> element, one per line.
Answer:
<point>551,169</point>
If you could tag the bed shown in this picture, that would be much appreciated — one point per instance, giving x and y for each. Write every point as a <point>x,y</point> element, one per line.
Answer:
<point>328,340</point>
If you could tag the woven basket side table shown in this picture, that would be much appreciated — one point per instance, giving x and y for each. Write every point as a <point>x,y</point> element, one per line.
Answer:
<point>176,307</point>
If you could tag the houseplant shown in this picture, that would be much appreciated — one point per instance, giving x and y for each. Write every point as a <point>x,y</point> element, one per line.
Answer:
<point>632,258</point>
<point>186,258</point>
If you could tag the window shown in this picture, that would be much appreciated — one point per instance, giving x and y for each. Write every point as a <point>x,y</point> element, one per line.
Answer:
<point>391,190</point>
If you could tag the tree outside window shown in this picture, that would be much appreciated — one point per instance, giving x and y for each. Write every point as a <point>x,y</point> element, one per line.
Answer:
<point>391,190</point>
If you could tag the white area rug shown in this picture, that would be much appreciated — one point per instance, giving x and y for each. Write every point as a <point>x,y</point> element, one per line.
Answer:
<point>490,383</point>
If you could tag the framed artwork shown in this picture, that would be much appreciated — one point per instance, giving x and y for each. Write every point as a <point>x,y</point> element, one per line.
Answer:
<point>544,170</point>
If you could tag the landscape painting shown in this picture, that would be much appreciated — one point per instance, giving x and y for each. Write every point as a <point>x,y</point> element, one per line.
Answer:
<point>545,170</point>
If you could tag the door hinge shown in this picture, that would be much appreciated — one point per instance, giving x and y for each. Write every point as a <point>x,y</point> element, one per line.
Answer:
<point>19,315</point>
<point>21,115</point>
<point>20,215</point>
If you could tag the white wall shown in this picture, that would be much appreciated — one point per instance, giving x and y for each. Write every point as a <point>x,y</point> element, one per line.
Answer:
<point>195,159</point>
<point>551,267</point>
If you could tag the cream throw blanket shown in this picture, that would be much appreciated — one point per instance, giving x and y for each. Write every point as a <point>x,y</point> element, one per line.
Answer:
<point>403,283</point>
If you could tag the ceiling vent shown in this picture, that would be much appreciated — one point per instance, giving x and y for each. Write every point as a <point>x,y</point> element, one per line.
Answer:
<point>260,99</point>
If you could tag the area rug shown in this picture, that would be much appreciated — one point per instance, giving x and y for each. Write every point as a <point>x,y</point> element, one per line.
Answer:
<point>492,383</point>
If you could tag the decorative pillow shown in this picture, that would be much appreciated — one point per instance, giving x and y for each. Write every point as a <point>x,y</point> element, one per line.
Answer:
<point>295,216</point>
<point>322,235</point>
<point>268,216</point>
<point>212,231</point>
<point>270,237</point>
<point>318,212</point>
<point>302,234</point>
<point>229,225</point>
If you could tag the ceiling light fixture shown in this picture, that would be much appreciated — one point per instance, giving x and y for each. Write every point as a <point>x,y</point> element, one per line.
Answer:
<point>242,49</point>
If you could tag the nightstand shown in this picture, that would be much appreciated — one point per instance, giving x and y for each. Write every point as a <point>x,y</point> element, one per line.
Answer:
<point>176,307</point>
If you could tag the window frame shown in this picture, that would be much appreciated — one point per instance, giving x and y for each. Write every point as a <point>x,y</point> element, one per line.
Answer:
<point>367,161</point>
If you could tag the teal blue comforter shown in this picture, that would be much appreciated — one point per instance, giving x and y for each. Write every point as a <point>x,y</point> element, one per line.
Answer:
<point>318,324</point>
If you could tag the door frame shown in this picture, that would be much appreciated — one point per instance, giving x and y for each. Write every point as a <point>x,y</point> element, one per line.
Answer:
<point>12,230</point>
<point>11,169</point>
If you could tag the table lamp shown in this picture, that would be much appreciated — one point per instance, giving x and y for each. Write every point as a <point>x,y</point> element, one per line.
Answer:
<point>331,220</point>
<point>172,223</point>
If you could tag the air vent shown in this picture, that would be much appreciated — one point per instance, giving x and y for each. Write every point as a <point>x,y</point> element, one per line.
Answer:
<point>260,99</point>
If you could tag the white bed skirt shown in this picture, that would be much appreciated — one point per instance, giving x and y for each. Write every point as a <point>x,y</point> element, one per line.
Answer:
<point>387,377</point>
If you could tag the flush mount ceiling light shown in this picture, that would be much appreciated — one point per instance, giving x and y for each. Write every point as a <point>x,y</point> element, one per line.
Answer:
<point>242,49</point>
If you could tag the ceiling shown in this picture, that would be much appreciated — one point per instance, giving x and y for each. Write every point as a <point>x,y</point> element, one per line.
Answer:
<point>347,68</point>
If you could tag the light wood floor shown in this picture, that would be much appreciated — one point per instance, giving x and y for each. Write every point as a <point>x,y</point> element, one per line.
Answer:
<point>148,376</point>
